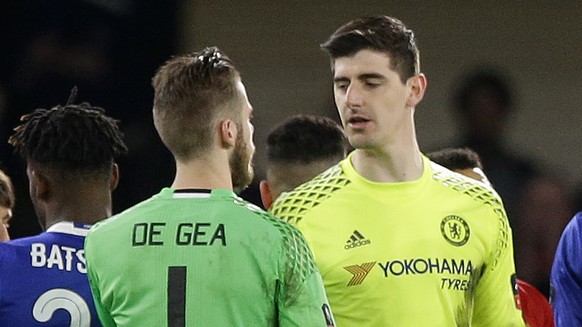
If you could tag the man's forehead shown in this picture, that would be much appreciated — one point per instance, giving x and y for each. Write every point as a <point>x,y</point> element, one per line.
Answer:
<point>363,62</point>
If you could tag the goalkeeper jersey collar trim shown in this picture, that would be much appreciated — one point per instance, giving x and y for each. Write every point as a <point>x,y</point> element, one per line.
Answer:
<point>191,193</point>
<point>199,193</point>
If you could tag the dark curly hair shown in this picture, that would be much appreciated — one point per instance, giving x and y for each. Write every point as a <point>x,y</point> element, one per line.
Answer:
<point>71,139</point>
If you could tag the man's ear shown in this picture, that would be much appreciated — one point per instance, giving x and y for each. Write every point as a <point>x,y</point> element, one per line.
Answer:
<point>114,177</point>
<point>418,84</point>
<point>38,183</point>
<point>266,195</point>
<point>228,133</point>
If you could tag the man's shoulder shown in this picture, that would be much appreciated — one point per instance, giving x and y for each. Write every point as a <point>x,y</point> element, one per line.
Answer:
<point>576,222</point>
<point>292,205</point>
<point>22,250</point>
<point>247,208</point>
<point>123,218</point>
<point>26,241</point>
<point>282,227</point>
<point>463,188</point>
<point>572,234</point>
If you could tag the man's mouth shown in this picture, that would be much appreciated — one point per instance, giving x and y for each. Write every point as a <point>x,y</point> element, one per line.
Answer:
<point>357,122</point>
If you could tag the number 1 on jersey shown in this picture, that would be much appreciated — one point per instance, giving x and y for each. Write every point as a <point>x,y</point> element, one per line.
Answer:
<point>177,296</point>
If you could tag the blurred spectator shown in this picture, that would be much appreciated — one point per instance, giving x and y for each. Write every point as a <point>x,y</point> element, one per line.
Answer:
<point>538,205</point>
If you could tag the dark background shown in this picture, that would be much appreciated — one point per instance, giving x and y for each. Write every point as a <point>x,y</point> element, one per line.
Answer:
<point>110,49</point>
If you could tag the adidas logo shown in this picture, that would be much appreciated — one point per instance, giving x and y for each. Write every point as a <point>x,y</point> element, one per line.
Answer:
<point>356,240</point>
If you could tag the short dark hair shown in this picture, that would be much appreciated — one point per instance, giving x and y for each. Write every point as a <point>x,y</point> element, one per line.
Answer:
<point>381,33</point>
<point>190,91</point>
<point>305,139</point>
<point>456,158</point>
<point>7,198</point>
<point>483,79</point>
<point>71,139</point>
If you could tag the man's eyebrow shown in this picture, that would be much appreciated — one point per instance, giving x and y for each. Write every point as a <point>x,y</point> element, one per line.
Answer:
<point>361,77</point>
<point>340,79</point>
<point>371,76</point>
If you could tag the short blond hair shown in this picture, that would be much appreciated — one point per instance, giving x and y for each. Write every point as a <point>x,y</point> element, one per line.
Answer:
<point>189,93</point>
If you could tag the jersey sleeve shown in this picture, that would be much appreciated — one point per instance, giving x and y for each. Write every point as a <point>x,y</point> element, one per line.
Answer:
<point>566,277</point>
<point>496,295</point>
<point>102,312</point>
<point>301,299</point>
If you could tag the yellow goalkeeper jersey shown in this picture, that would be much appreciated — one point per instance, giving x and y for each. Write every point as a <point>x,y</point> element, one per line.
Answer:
<point>432,252</point>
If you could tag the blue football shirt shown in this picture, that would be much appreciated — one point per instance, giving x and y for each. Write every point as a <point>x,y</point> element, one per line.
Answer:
<point>43,279</point>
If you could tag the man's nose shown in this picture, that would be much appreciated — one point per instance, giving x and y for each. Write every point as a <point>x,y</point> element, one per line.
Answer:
<point>354,97</point>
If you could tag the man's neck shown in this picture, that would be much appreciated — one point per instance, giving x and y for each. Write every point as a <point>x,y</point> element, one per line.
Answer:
<point>83,209</point>
<point>203,174</point>
<point>393,166</point>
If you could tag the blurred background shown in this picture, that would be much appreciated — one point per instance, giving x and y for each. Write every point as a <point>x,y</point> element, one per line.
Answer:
<point>524,58</point>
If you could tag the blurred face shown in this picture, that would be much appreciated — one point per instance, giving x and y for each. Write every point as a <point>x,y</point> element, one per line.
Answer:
<point>241,158</point>
<point>371,99</point>
<point>6,214</point>
<point>486,115</point>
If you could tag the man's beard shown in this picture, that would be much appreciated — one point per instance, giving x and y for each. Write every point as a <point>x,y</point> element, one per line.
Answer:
<point>240,167</point>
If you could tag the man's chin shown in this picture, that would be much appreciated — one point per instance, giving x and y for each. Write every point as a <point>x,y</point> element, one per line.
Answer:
<point>360,143</point>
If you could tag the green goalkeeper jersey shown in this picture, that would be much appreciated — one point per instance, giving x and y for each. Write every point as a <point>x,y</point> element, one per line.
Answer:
<point>202,258</point>
<point>436,251</point>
